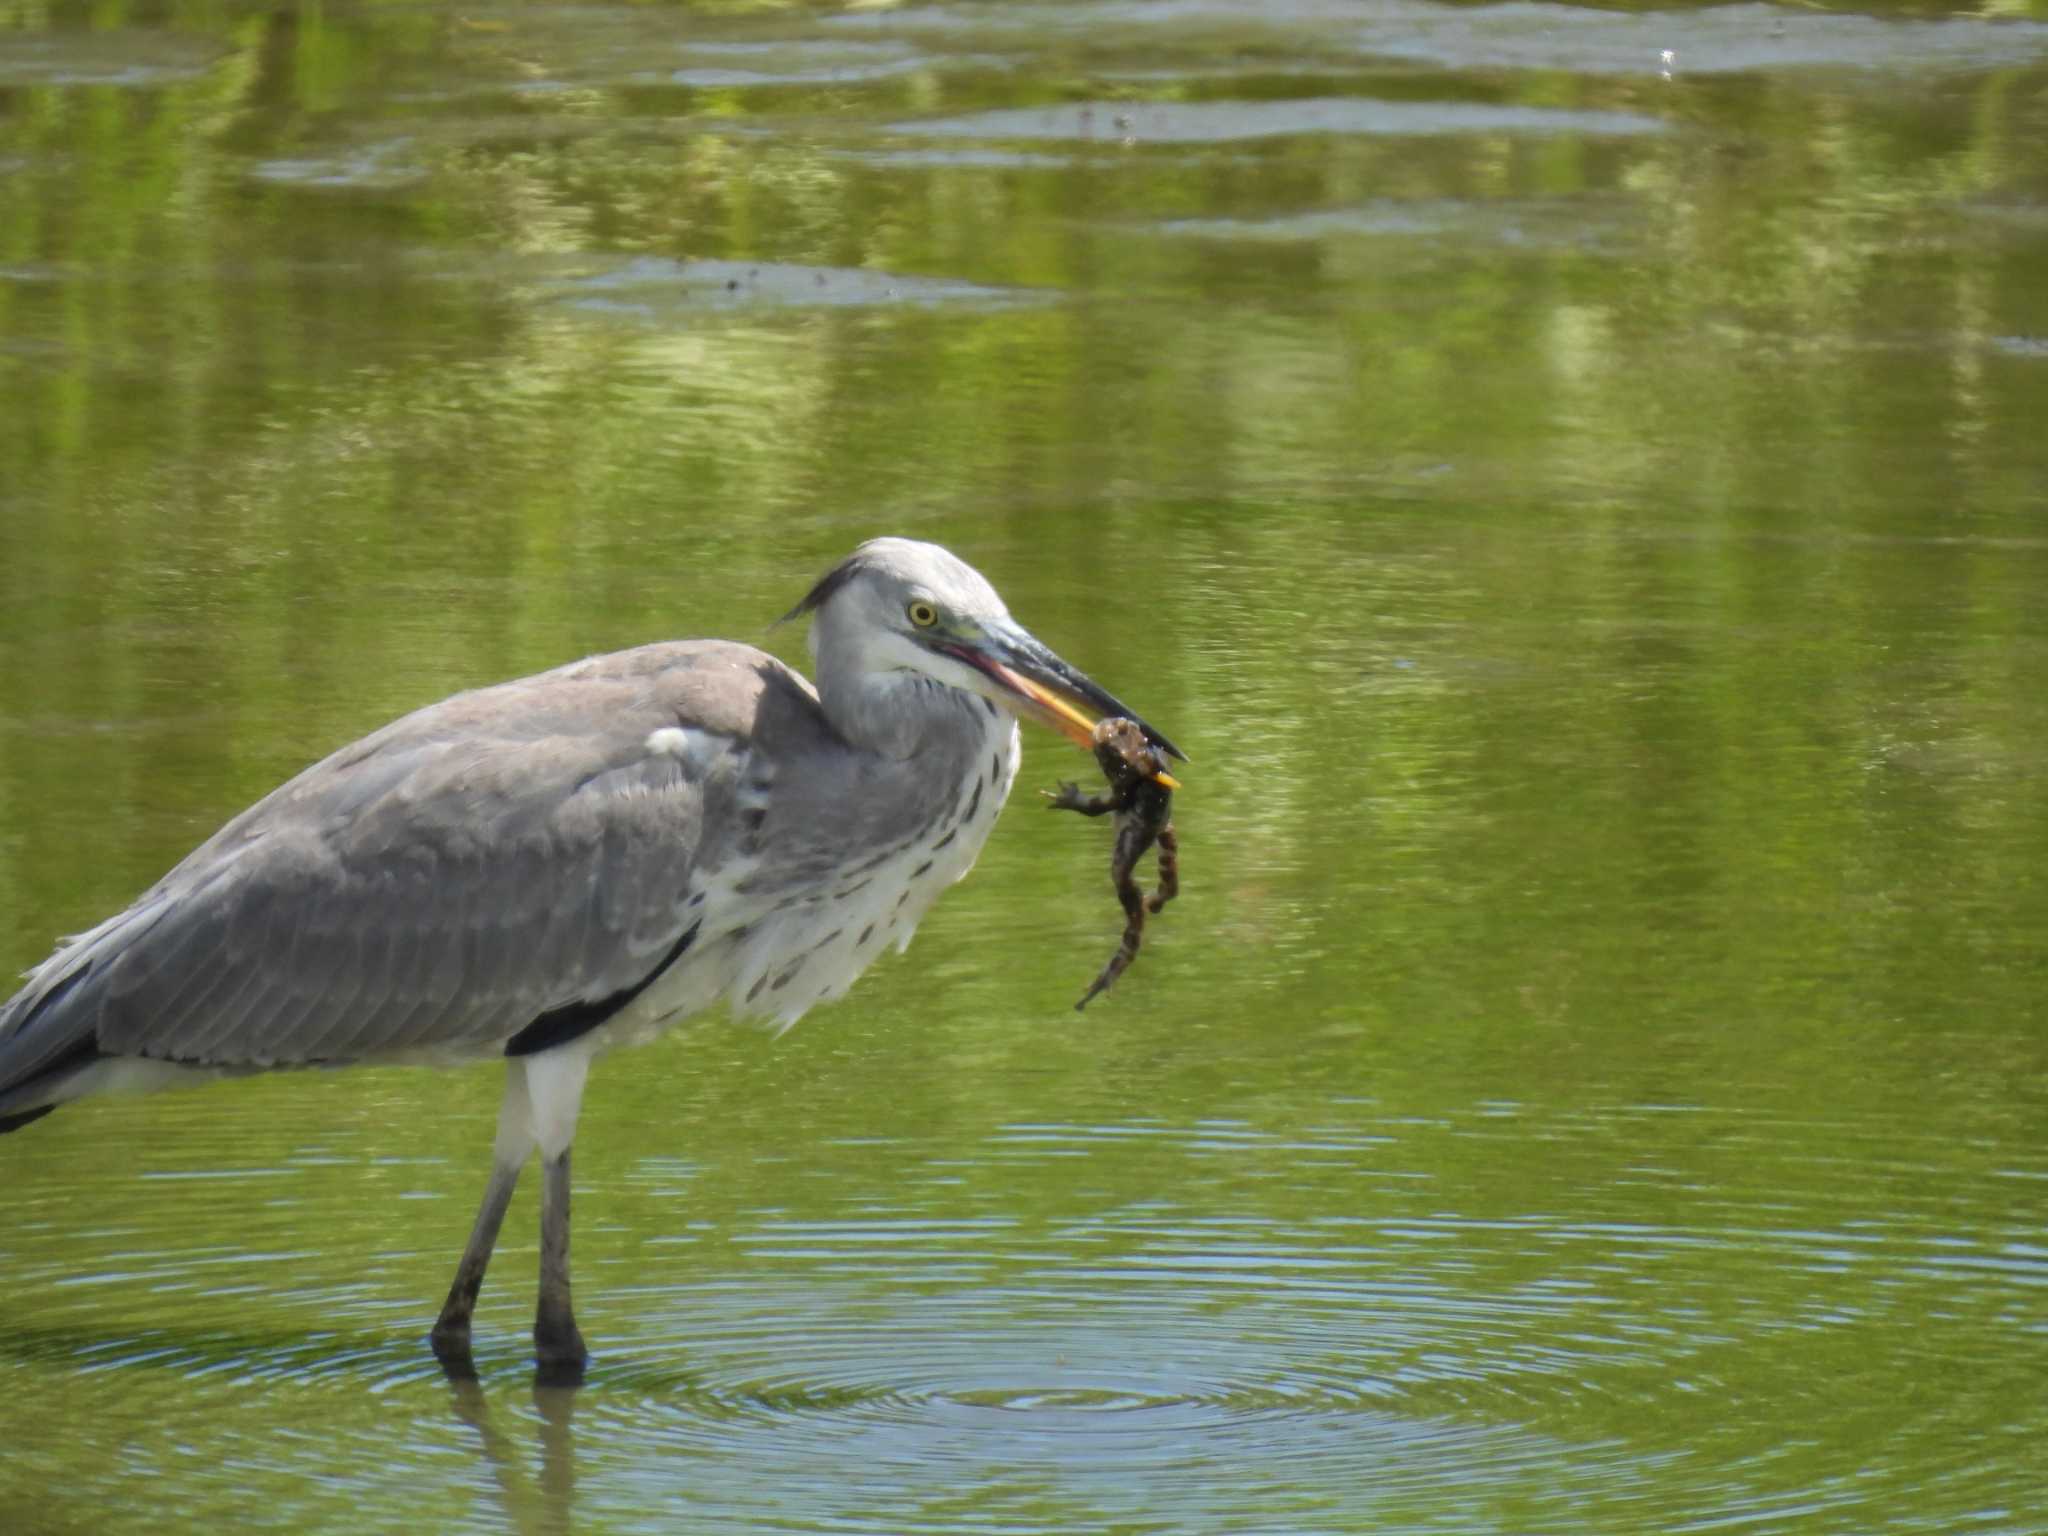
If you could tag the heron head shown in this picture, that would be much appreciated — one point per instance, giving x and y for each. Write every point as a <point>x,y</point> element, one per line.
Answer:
<point>896,605</point>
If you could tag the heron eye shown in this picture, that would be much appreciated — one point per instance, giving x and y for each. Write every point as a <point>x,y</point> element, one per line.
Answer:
<point>923,614</point>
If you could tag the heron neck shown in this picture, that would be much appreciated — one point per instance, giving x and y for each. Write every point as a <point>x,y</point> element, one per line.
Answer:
<point>896,714</point>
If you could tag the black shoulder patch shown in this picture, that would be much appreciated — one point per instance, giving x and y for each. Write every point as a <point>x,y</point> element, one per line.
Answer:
<point>560,1025</point>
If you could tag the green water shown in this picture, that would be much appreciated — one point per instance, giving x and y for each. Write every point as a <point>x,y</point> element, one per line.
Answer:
<point>1586,515</point>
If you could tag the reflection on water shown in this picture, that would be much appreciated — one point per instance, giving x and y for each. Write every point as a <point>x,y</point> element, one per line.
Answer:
<point>1327,1317</point>
<point>650,288</point>
<point>1224,121</point>
<point>1581,511</point>
<point>532,1500</point>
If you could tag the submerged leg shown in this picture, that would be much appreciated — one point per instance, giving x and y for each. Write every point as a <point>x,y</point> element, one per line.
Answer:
<point>514,1144</point>
<point>555,1084</point>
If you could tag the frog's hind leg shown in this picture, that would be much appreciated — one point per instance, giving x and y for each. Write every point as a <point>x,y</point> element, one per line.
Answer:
<point>1134,932</point>
<point>1169,869</point>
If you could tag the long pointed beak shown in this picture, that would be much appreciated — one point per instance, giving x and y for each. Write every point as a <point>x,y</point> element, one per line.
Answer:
<point>1055,694</point>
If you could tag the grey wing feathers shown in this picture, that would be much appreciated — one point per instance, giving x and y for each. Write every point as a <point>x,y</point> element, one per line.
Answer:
<point>432,888</point>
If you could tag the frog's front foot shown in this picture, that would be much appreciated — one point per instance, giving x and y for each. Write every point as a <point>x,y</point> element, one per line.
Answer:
<point>1067,797</point>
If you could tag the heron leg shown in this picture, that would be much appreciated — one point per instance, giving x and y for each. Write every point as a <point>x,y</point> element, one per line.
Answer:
<point>509,1152</point>
<point>556,1338</point>
<point>555,1084</point>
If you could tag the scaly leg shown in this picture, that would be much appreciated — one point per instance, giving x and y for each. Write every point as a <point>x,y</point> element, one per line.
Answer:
<point>555,1084</point>
<point>556,1338</point>
<point>514,1144</point>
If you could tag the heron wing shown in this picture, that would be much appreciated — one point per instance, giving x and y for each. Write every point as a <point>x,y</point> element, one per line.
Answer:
<point>437,886</point>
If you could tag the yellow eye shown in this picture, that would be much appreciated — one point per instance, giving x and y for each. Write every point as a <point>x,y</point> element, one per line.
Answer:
<point>923,614</point>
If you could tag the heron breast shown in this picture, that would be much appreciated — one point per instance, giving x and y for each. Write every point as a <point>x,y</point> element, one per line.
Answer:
<point>776,955</point>
<point>815,945</point>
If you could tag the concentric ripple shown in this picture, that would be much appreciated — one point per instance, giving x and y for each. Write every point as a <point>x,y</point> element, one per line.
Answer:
<point>1075,1403</point>
<point>1250,1345</point>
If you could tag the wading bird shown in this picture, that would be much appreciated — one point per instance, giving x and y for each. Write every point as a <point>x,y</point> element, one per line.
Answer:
<point>550,867</point>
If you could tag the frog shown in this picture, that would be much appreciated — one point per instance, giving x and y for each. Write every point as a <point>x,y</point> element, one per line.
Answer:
<point>1141,796</point>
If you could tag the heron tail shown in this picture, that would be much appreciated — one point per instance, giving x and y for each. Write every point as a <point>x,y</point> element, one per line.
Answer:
<point>36,1065</point>
<point>35,1094</point>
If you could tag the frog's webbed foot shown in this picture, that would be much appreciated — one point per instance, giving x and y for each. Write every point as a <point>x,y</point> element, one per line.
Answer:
<point>1110,972</point>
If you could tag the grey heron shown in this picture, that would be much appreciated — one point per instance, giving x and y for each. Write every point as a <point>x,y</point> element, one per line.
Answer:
<point>547,868</point>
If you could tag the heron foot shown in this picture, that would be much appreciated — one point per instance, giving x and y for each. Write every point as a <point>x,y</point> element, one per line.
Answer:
<point>458,1368</point>
<point>559,1350</point>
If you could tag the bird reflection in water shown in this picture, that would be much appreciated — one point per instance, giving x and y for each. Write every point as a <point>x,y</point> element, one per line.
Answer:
<point>530,1500</point>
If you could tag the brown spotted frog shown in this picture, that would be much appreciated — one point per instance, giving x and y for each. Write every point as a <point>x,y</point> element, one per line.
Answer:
<point>1141,795</point>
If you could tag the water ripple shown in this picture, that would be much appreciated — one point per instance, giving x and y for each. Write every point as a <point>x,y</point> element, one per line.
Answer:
<point>1208,122</point>
<point>1236,1345</point>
